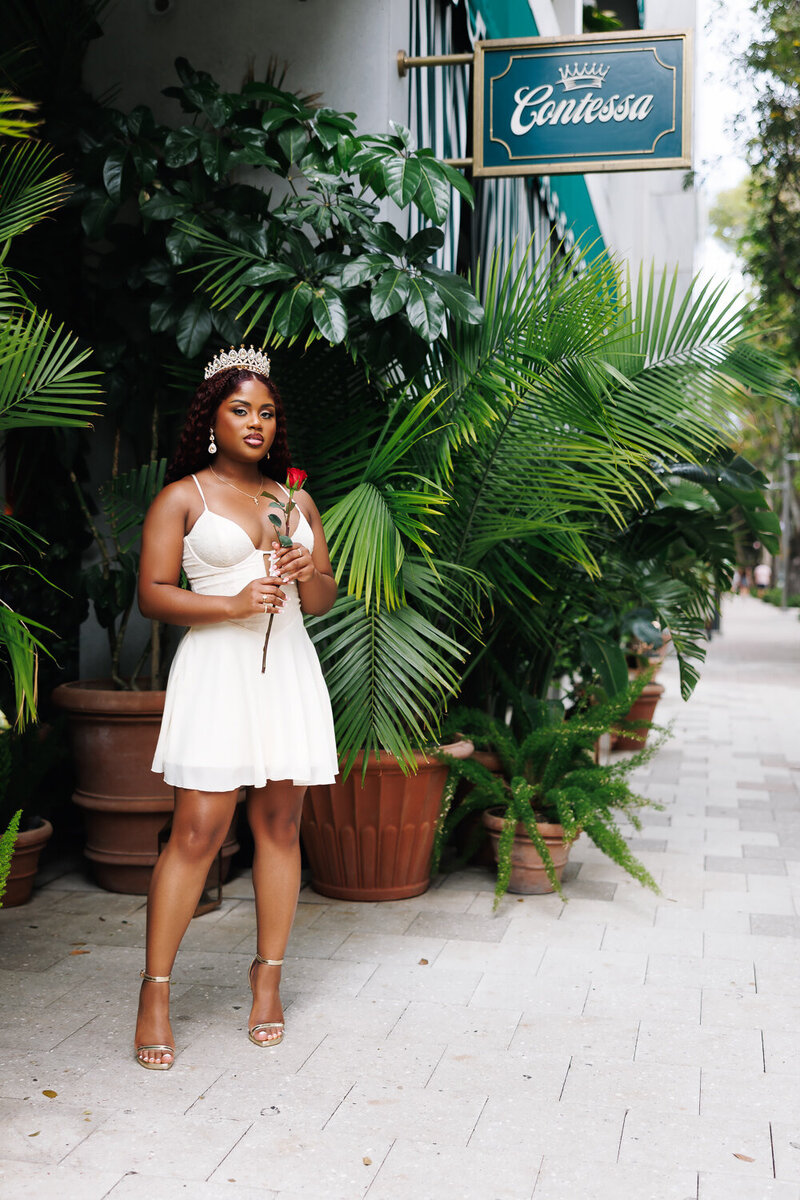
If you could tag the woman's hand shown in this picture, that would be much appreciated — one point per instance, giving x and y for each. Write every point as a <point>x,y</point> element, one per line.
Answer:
<point>294,563</point>
<point>262,595</point>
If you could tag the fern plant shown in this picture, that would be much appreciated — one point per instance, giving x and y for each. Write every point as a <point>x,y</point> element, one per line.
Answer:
<point>548,773</point>
<point>9,837</point>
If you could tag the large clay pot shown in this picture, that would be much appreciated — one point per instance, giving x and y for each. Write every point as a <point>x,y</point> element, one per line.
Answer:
<point>642,709</point>
<point>124,803</point>
<point>373,841</point>
<point>27,848</point>
<point>528,874</point>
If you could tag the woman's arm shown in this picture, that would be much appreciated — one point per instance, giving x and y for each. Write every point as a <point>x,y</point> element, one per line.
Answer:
<point>312,573</point>
<point>160,596</point>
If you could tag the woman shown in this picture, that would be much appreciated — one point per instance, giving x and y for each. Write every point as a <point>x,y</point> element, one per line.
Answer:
<point>226,723</point>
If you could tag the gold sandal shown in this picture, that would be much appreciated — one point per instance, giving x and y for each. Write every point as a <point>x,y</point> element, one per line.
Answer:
<point>268,962</point>
<point>155,1066</point>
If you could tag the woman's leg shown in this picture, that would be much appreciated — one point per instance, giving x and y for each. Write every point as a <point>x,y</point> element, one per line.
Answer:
<point>199,824</point>
<point>274,815</point>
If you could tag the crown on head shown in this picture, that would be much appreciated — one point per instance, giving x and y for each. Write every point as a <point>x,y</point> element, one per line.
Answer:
<point>247,360</point>
<point>583,76</point>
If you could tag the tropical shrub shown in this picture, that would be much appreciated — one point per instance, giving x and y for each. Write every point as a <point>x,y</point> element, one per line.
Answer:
<point>42,383</point>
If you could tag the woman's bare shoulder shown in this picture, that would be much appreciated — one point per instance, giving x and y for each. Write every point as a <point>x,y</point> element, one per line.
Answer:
<point>176,498</point>
<point>306,505</point>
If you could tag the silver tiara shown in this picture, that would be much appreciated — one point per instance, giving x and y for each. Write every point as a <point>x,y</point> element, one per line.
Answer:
<point>247,360</point>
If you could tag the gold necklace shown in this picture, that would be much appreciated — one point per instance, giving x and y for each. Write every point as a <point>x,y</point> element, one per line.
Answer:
<point>255,498</point>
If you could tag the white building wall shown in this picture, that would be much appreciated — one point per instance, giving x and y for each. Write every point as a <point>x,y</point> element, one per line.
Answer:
<point>344,49</point>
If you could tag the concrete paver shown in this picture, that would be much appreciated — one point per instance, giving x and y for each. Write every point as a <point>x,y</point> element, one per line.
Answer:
<point>624,1045</point>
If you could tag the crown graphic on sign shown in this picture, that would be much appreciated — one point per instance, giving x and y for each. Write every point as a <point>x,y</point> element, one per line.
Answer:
<point>584,76</point>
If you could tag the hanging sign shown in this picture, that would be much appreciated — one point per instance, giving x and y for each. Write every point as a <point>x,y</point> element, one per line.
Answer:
<point>549,106</point>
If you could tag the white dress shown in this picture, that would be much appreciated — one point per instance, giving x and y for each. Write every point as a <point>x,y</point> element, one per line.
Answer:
<point>225,724</point>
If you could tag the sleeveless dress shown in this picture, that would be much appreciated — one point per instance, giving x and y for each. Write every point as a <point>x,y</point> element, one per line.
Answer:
<point>226,725</point>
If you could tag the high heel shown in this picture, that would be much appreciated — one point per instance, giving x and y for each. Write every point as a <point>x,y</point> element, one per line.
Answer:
<point>268,962</point>
<point>155,1066</point>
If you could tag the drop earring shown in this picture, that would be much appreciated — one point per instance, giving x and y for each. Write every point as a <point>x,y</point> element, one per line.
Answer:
<point>212,445</point>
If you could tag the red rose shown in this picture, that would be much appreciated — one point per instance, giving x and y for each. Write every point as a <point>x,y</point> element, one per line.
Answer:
<point>295,478</point>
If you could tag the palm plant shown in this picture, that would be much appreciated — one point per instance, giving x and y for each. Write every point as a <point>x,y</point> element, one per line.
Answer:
<point>42,382</point>
<point>595,386</point>
<point>555,414</point>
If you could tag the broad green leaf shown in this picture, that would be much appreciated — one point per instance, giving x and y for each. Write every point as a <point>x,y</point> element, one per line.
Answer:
<point>424,243</point>
<point>293,140</point>
<point>384,236</point>
<point>401,177</point>
<point>96,215</point>
<point>456,293</point>
<point>163,206</point>
<point>194,328</point>
<point>181,147</point>
<point>424,308</point>
<point>164,313</point>
<point>433,192</point>
<point>113,171</point>
<point>389,294</point>
<point>329,314</point>
<point>214,155</point>
<point>363,268</point>
<point>290,311</point>
<point>181,246</point>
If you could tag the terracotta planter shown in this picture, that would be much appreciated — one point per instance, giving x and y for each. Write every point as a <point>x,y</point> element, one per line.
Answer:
<point>528,874</point>
<point>124,803</point>
<point>642,709</point>
<point>27,848</point>
<point>374,842</point>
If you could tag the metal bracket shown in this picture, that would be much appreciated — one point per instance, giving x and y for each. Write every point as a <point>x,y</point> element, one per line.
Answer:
<point>431,60</point>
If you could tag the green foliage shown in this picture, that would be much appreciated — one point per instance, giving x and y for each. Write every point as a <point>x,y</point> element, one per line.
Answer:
<point>8,841</point>
<point>42,384</point>
<point>569,407</point>
<point>548,773</point>
<point>771,242</point>
<point>774,596</point>
<point>306,260</point>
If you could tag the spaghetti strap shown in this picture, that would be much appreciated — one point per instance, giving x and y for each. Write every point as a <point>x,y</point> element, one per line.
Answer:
<point>200,490</point>
<point>282,487</point>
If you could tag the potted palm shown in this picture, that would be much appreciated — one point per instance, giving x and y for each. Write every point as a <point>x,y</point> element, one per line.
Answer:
<point>44,384</point>
<point>542,785</point>
<point>452,539</point>
<point>27,757</point>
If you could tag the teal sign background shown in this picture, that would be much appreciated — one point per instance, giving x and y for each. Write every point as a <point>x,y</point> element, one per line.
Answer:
<point>587,104</point>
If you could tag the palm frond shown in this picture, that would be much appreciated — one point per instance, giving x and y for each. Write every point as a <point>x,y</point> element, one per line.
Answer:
<point>126,499</point>
<point>28,190</point>
<point>390,675</point>
<point>41,382</point>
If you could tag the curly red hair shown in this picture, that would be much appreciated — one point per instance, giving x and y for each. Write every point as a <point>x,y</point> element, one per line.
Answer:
<point>192,454</point>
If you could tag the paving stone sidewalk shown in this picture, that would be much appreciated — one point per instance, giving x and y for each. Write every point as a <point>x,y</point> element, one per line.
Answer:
<point>626,1045</point>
